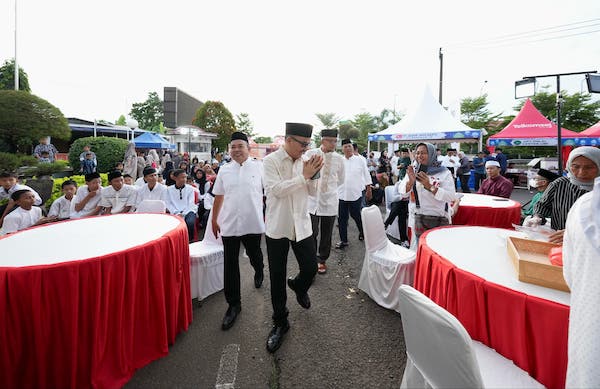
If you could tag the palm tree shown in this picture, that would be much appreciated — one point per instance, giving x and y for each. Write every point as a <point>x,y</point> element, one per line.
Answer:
<point>329,120</point>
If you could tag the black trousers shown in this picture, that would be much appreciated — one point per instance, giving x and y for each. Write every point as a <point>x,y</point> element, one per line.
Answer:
<point>478,180</point>
<point>231,272</point>
<point>399,209</point>
<point>277,252</point>
<point>464,183</point>
<point>323,245</point>
<point>346,209</point>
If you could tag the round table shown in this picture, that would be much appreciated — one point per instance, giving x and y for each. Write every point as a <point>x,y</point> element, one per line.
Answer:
<point>84,303</point>
<point>487,211</point>
<point>467,271</point>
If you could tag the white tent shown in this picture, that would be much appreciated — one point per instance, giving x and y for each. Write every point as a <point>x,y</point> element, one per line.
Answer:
<point>429,121</point>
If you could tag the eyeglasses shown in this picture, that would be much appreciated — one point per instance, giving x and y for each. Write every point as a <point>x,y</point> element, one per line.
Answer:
<point>303,144</point>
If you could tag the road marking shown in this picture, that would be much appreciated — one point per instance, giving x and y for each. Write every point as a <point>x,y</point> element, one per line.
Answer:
<point>228,367</point>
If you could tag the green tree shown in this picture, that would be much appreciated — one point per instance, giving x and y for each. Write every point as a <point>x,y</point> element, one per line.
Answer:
<point>149,113</point>
<point>25,118</point>
<point>387,118</point>
<point>329,120</point>
<point>263,139</point>
<point>121,121</point>
<point>578,111</point>
<point>474,113</point>
<point>348,131</point>
<point>7,77</point>
<point>365,123</point>
<point>244,124</point>
<point>214,117</point>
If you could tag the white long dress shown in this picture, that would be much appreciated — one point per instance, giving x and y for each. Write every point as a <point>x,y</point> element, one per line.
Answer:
<point>581,258</point>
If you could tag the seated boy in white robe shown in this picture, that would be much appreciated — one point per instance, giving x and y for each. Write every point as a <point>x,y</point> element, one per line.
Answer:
<point>25,215</point>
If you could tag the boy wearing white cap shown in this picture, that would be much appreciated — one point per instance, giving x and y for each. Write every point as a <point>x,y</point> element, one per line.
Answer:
<point>495,184</point>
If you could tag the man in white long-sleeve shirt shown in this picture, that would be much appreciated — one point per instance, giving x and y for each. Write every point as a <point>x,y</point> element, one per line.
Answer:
<point>181,201</point>
<point>323,206</point>
<point>288,182</point>
<point>581,258</point>
<point>151,189</point>
<point>356,179</point>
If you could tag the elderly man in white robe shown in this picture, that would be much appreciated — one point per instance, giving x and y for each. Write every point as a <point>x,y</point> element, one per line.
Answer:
<point>581,258</point>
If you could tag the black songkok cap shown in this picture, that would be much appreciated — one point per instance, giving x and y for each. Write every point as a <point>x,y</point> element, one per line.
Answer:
<point>329,133</point>
<point>16,195</point>
<point>149,170</point>
<point>90,176</point>
<point>114,174</point>
<point>404,150</point>
<point>547,174</point>
<point>239,135</point>
<point>346,141</point>
<point>298,129</point>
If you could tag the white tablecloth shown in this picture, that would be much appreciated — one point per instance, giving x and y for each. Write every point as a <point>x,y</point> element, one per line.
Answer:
<point>82,238</point>
<point>479,200</point>
<point>482,251</point>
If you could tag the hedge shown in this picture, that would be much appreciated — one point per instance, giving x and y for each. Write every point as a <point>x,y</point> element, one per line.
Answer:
<point>79,179</point>
<point>9,162</point>
<point>109,151</point>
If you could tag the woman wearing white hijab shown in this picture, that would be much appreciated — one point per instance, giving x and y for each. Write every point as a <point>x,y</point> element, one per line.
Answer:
<point>581,258</point>
<point>153,160</point>
<point>583,166</point>
<point>130,161</point>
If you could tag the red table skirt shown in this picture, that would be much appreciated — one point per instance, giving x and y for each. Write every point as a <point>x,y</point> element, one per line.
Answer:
<point>487,216</point>
<point>530,331</point>
<point>92,323</point>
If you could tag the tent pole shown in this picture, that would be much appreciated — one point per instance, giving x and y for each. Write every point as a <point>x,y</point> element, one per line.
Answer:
<point>559,137</point>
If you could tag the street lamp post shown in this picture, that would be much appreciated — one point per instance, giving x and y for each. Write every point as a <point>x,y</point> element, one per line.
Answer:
<point>133,124</point>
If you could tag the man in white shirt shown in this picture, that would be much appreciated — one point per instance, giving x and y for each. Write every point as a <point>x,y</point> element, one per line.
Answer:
<point>25,215</point>
<point>61,207</point>
<point>151,189</point>
<point>394,164</point>
<point>356,179</point>
<point>237,215</point>
<point>288,182</point>
<point>87,199</point>
<point>581,254</point>
<point>8,186</point>
<point>181,201</point>
<point>323,206</point>
<point>451,161</point>
<point>117,197</point>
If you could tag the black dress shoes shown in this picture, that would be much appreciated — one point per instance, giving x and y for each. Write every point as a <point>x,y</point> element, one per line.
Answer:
<point>258,279</point>
<point>275,338</point>
<point>230,317</point>
<point>302,299</point>
<point>361,236</point>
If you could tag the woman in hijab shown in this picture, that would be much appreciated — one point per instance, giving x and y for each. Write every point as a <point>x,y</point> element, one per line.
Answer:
<point>166,158</point>
<point>130,161</point>
<point>167,174</point>
<point>430,187</point>
<point>152,159</point>
<point>583,166</point>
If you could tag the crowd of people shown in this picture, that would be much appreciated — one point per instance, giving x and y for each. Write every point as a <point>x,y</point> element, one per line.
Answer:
<point>295,194</point>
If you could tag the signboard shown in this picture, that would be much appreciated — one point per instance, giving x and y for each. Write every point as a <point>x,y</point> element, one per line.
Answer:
<point>453,136</point>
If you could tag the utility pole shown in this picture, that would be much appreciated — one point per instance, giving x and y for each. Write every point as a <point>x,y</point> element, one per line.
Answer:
<point>16,63</point>
<point>441,73</point>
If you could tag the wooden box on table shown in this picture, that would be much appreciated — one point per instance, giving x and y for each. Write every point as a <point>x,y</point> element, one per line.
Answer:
<point>532,263</point>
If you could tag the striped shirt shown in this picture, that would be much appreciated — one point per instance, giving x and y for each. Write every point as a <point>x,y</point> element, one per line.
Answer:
<point>557,200</point>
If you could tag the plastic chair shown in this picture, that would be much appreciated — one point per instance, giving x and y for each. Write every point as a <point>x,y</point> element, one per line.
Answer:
<point>386,265</point>
<point>151,206</point>
<point>440,353</point>
<point>206,261</point>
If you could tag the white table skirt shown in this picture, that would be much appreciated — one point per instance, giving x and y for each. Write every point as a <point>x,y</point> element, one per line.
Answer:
<point>479,200</point>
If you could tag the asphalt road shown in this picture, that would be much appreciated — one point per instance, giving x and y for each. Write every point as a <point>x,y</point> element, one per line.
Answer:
<point>344,340</point>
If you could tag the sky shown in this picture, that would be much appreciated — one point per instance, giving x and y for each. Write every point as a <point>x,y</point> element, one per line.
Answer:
<point>284,61</point>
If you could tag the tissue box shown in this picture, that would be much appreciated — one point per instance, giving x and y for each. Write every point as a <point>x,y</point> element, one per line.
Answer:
<point>532,263</point>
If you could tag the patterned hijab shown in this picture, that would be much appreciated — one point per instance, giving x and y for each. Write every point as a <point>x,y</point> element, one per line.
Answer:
<point>434,166</point>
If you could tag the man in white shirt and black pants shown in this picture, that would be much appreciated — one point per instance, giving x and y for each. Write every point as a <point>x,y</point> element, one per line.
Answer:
<point>323,206</point>
<point>237,215</point>
<point>288,182</point>
<point>181,201</point>
<point>356,179</point>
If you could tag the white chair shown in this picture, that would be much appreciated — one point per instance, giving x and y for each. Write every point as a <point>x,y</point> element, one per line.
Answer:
<point>206,262</point>
<point>440,353</point>
<point>151,206</point>
<point>386,265</point>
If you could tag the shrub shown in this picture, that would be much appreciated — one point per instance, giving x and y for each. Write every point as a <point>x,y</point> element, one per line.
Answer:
<point>47,169</point>
<point>79,179</point>
<point>108,151</point>
<point>9,162</point>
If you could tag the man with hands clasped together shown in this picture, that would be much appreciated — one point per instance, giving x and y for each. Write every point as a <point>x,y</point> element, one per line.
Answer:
<point>288,181</point>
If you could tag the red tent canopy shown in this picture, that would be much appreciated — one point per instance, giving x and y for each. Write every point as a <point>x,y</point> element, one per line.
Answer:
<point>592,131</point>
<point>530,123</point>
